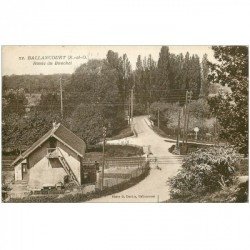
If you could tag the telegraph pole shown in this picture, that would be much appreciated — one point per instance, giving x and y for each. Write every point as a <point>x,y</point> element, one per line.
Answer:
<point>132,100</point>
<point>178,131</point>
<point>132,103</point>
<point>150,83</point>
<point>129,109</point>
<point>103,155</point>
<point>61,97</point>
<point>216,131</point>
<point>158,117</point>
<point>185,117</point>
<point>189,100</point>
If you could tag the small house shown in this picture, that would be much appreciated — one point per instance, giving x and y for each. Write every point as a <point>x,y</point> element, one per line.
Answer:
<point>53,159</point>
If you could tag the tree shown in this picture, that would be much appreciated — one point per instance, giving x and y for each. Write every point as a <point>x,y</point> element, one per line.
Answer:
<point>20,132</point>
<point>93,99</point>
<point>127,77</point>
<point>204,77</point>
<point>186,73</point>
<point>195,83</point>
<point>138,84</point>
<point>122,68</point>
<point>231,108</point>
<point>145,82</point>
<point>14,101</point>
<point>152,78</point>
<point>50,102</point>
<point>199,109</point>
<point>191,76</point>
<point>168,114</point>
<point>87,122</point>
<point>163,70</point>
<point>35,83</point>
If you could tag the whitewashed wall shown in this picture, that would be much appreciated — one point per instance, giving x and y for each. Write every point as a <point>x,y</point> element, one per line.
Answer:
<point>44,174</point>
<point>73,163</point>
<point>18,172</point>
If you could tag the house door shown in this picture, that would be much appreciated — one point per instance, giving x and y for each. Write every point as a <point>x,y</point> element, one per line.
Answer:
<point>24,171</point>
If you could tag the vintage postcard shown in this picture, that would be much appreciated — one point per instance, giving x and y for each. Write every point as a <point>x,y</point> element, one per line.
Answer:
<point>124,124</point>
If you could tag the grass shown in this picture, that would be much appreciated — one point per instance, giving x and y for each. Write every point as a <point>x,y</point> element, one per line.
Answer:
<point>126,132</point>
<point>95,152</point>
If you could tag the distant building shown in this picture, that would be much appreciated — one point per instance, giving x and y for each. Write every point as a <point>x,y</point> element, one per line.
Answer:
<point>54,158</point>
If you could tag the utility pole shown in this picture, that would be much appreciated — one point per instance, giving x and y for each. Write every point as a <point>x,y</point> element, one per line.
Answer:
<point>158,111</point>
<point>61,97</point>
<point>185,117</point>
<point>216,131</point>
<point>132,103</point>
<point>132,100</point>
<point>150,83</point>
<point>186,114</point>
<point>129,111</point>
<point>189,100</point>
<point>125,83</point>
<point>103,155</point>
<point>178,131</point>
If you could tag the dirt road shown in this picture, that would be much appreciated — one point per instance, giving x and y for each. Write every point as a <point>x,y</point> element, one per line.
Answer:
<point>153,188</point>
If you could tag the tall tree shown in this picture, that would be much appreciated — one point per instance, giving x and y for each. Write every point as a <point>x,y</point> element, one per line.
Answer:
<point>232,108</point>
<point>191,74</point>
<point>204,91</point>
<point>152,78</point>
<point>94,94</point>
<point>139,88</point>
<point>195,75</point>
<point>122,68</point>
<point>163,71</point>
<point>186,71</point>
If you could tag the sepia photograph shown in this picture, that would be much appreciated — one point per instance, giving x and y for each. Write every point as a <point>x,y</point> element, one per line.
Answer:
<point>125,124</point>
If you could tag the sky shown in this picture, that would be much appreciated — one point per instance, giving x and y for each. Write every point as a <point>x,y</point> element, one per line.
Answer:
<point>32,60</point>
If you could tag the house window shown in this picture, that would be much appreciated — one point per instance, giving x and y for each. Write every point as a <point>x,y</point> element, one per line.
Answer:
<point>24,167</point>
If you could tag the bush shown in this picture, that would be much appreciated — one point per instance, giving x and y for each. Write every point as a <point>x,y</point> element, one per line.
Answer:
<point>234,193</point>
<point>203,171</point>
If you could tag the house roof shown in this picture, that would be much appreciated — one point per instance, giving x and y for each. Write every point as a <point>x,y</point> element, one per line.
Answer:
<point>62,134</point>
<point>70,139</point>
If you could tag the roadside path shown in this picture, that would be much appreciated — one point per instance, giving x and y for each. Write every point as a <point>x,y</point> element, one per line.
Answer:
<point>154,187</point>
